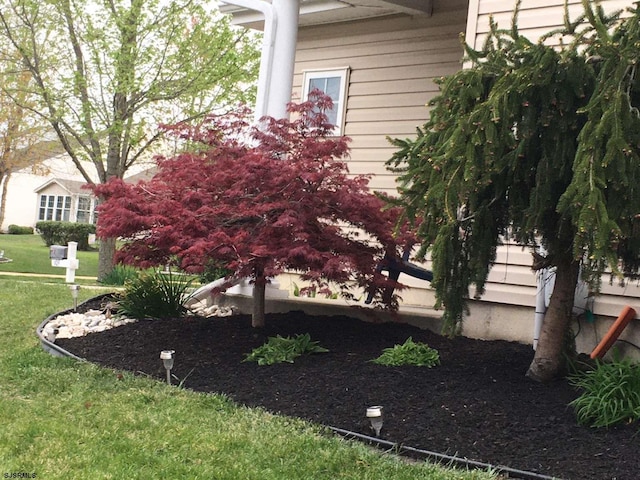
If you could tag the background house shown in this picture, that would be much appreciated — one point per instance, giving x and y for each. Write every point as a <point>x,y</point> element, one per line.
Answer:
<point>378,60</point>
<point>54,191</point>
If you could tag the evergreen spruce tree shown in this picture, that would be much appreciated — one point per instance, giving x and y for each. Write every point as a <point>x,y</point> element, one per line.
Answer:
<point>536,144</point>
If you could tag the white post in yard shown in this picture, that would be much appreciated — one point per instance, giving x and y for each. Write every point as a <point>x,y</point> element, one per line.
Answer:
<point>72,262</point>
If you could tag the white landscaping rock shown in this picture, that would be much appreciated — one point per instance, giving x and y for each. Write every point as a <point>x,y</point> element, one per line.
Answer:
<point>80,324</point>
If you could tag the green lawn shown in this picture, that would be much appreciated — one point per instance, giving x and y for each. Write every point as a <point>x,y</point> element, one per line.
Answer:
<point>63,419</point>
<point>29,254</point>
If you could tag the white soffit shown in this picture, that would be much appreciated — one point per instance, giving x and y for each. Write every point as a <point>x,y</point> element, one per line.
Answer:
<point>317,12</point>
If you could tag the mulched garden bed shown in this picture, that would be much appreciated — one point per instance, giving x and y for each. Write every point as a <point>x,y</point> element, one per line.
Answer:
<point>477,404</point>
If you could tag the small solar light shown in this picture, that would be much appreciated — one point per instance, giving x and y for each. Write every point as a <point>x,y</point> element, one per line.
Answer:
<point>167,359</point>
<point>74,294</point>
<point>374,414</point>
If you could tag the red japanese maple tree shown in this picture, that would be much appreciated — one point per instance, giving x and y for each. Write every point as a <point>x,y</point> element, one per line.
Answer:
<point>259,200</point>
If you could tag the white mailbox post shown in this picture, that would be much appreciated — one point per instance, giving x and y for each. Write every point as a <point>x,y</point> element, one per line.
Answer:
<point>65,257</point>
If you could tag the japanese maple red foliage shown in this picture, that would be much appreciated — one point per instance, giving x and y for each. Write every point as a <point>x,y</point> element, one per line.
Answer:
<point>258,200</point>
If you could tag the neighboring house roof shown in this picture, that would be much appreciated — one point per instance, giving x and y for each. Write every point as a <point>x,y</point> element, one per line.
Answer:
<point>74,187</point>
<point>317,12</point>
<point>144,175</point>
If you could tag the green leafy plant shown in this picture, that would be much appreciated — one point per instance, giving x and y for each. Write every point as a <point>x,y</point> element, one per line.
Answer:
<point>120,275</point>
<point>155,295</point>
<point>409,353</point>
<point>284,349</point>
<point>214,270</point>
<point>610,394</point>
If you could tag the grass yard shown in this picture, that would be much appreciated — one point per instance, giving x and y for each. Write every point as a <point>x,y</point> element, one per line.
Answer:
<point>63,419</point>
<point>29,254</point>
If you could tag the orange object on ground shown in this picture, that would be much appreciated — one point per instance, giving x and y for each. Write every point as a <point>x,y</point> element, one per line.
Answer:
<point>614,332</point>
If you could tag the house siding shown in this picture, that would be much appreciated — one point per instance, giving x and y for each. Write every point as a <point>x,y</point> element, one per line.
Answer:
<point>393,63</point>
<point>536,18</point>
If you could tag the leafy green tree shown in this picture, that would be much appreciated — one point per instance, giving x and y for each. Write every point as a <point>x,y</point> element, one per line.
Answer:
<point>106,73</point>
<point>536,144</point>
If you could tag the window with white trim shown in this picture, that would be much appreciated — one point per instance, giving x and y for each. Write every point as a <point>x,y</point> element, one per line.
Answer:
<point>55,207</point>
<point>333,83</point>
<point>83,212</point>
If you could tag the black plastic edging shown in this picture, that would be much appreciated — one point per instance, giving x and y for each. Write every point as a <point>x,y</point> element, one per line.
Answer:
<point>442,458</point>
<point>51,347</point>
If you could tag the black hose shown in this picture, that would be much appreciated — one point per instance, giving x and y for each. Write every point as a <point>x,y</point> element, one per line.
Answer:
<point>442,458</point>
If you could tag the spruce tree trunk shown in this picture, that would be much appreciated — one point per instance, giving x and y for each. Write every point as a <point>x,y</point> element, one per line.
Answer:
<point>548,361</point>
<point>106,252</point>
<point>259,289</point>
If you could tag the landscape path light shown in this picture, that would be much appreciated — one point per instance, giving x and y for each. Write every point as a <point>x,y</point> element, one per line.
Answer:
<point>74,294</point>
<point>374,414</point>
<point>167,359</point>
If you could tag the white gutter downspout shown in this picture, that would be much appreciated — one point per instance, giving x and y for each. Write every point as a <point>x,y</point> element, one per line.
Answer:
<point>278,50</point>
<point>541,306</point>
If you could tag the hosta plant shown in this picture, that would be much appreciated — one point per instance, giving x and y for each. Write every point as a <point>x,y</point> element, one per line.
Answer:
<point>409,353</point>
<point>284,349</point>
<point>610,394</point>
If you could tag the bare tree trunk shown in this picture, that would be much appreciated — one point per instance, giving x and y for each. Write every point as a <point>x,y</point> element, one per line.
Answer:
<point>259,289</point>
<point>4,181</point>
<point>106,253</point>
<point>547,361</point>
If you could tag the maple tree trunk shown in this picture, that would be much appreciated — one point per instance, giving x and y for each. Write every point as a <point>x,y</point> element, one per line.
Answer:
<point>259,290</point>
<point>547,361</point>
<point>106,253</point>
<point>257,318</point>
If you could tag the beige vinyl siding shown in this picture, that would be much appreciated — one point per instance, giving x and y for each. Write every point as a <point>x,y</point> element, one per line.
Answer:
<point>392,62</point>
<point>537,17</point>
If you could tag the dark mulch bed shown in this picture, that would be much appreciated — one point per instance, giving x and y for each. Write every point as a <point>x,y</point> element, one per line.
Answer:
<point>478,404</point>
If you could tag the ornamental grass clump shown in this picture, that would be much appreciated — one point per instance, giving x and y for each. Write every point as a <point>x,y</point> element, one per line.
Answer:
<point>155,295</point>
<point>284,349</point>
<point>610,394</point>
<point>409,353</point>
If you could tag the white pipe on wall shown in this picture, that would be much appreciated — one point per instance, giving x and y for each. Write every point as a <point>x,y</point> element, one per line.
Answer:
<point>268,47</point>
<point>287,13</point>
<point>275,81</point>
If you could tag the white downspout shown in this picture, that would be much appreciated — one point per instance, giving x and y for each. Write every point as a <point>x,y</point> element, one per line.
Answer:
<point>287,13</point>
<point>275,81</point>
<point>268,47</point>
<point>541,306</point>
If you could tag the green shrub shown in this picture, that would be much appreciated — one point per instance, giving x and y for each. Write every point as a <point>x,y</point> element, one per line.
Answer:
<point>61,233</point>
<point>409,353</point>
<point>120,275</point>
<point>610,394</point>
<point>155,295</point>
<point>213,271</point>
<point>19,230</point>
<point>280,349</point>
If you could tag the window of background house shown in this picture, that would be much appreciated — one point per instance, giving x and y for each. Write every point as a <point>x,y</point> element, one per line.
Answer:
<point>83,214</point>
<point>55,207</point>
<point>332,82</point>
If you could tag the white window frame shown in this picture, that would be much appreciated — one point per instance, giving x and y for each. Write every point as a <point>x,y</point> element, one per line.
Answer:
<point>341,104</point>
<point>88,211</point>
<point>55,208</point>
